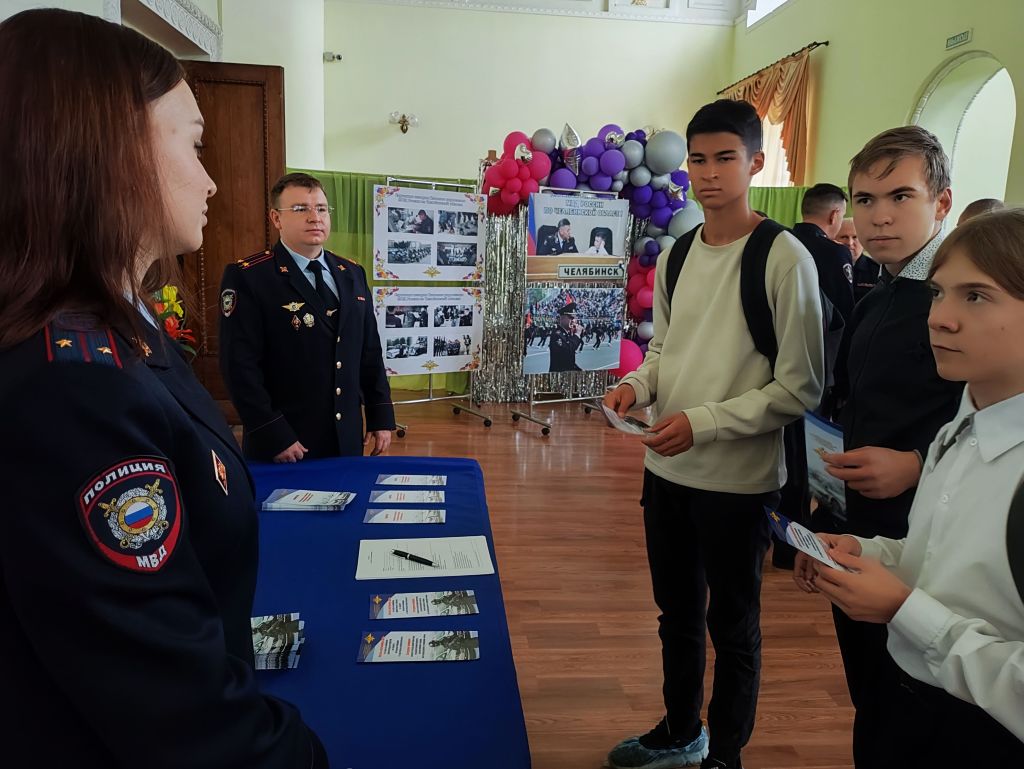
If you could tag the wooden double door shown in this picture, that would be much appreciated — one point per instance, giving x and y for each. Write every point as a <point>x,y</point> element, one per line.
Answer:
<point>243,107</point>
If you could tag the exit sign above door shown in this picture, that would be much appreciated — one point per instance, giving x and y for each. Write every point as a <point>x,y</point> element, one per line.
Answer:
<point>959,39</point>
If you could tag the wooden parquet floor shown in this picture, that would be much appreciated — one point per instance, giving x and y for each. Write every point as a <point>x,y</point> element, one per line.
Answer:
<point>569,539</point>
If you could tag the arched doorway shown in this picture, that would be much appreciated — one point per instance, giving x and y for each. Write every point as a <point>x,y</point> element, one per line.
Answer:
<point>969,103</point>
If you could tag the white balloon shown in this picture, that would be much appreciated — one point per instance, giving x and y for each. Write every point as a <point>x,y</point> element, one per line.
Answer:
<point>645,330</point>
<point>640,176</point>
<point>685,219</point>
<point>660,182</point>
<point>638,246</point>
<point>634,152</point>
<point>621,176</point>
<point>585,187</point>
<point>666,241</point>
<point>665,152</point>
<point>617,186</point>
<point>544,139</point>
<point>655,231</point>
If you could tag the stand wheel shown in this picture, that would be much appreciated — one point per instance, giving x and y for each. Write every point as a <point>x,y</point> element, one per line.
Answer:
<point>515,417</point>
<point>587,409</point>
<point>456,410</point>
<point>545,431</point>
<point>487,423</point>
<point>401,433</point>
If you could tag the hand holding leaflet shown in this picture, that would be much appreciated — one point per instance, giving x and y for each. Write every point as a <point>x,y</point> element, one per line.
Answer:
<point>626,424</point>
<point>802,538</point>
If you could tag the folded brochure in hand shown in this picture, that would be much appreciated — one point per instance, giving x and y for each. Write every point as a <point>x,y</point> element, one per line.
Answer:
<point>626,424</point>
<point>800,537</point>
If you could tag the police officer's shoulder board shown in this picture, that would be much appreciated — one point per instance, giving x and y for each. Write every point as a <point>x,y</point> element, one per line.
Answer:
<point>252,261</point>
<point>81,345</point>
<point>132,513</point>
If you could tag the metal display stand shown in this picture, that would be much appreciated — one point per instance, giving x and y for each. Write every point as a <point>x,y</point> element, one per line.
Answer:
<point>467,401</point>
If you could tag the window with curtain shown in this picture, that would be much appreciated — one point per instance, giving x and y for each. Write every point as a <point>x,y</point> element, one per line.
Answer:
<point>776,166</point>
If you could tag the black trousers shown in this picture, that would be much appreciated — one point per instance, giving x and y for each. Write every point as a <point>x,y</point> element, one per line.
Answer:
<point>873,680</point>
<point>701,542</point>
<point>934,728</point>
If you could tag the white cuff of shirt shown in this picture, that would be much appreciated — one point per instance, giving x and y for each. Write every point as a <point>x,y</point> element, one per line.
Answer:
<point>921,620</point>
<point>869,548</point>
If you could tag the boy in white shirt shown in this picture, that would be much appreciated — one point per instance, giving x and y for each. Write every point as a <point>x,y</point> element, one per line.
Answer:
<point>952,591</point>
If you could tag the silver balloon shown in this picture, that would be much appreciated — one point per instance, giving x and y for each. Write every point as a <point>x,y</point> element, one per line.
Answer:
<point>660,182</point>
<point>645,330</point>
<point>675,191</point>
<point>544,140</point>
<point>634,152</point>
<point>617,186</point>
<point>655,231</point>
<point>614,139</point>
<point>640,176</point>
<point>638,246</point>
<point>666,241</point>
<point>584,187</point>
<point>523,153</point>
<point>621,176</point>
<point>684,220</point>
<point>569,144</point>
<point>666,151</point>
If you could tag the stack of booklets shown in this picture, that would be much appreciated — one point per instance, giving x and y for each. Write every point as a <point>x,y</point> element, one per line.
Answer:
<point>277,641</point>
<point>306,500</point>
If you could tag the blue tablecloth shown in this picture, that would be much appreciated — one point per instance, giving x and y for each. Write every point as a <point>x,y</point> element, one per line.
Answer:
<point>443,715</point>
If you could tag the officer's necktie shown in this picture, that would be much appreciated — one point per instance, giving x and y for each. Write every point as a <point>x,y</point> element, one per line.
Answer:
<point>326,295</point>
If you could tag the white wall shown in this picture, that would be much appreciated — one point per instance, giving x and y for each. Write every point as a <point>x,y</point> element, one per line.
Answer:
<point>288,34</point>
<point>472,77</point>
<point>11,7</point>
<point>981,157</point>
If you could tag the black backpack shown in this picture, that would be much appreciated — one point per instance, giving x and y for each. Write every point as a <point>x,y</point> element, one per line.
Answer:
<point>756,307</point>
<point>1015,539</point>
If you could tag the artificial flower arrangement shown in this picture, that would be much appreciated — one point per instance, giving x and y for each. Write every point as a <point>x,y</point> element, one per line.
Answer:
<point>172,315</point>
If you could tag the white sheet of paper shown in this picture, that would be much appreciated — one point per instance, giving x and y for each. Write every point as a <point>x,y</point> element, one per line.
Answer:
<point>412,480</point>
<point>625,425</point>
<point>398,515</point>
<point>452,556</point>
<point>394,496</point>
<point>804,540</point>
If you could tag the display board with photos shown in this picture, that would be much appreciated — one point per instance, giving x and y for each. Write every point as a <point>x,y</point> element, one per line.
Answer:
<point>574,230</point>
<point>589,337</point>
<point>428,235</point>
<point>429,329</point>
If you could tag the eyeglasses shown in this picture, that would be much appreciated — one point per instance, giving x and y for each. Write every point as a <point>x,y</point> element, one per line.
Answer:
<point>304,209</point>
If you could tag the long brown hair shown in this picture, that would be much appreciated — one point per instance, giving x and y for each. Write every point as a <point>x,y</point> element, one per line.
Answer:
<point>79,191</point>
<point>994,243</point>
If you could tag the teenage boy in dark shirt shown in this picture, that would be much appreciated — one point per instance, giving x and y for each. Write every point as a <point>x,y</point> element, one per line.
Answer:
<point>896,401</point>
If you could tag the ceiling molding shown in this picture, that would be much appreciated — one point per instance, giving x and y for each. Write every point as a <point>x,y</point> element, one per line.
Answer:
<point>703,12</point>
<point>183,16</point>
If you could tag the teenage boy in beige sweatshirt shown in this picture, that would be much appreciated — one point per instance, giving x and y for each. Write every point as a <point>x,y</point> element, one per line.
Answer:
<point>715,456</point>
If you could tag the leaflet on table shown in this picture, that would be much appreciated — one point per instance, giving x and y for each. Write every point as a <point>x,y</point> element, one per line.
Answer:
<point>451,556</point>
<point>627,423</point>
<point>394,496</point>
<point>822,438</point>
<point>412,480</point>
<point>277,640</point>
<point>408,605</point>
<point>398,515</point>
<point>305,499</point>
<point>420,646</point>
<point>800,537</point>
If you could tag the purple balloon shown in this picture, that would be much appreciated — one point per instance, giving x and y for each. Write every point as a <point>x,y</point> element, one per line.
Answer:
<point>649,314</point>
<point>582,178</point>
<point>659,199</point>
<point>601,182</point>
<point>643,194</point>
<point>660,217</point>
<point>612,162</point>
<point>644,260</point>
<point>640,210</point>
<point>631,136</point>
<point>680,178</point>
<point>608,129</point>
<point>651,248</point>
<point>641,135</point>
<point>643,348</point>
<point>594,147</point>
<point>563,178</point>
<point>590,166</point>
<point>675,203</point>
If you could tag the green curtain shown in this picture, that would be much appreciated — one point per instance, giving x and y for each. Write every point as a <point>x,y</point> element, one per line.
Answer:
<point>351,196</point>
<point>780,203</point>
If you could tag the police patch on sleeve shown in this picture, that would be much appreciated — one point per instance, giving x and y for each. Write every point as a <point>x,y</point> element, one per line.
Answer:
<point>228,302</point>
<point>132,513</point>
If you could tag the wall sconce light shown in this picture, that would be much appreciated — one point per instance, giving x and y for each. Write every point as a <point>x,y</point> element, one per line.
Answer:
<point>403,121</point>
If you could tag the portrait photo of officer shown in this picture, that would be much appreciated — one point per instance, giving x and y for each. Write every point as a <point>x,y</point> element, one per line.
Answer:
<point>561,241</point>
<point>565,342</point>
<point>299,348</point>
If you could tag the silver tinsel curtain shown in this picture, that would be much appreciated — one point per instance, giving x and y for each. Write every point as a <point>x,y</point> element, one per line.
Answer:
<point>500,378</point>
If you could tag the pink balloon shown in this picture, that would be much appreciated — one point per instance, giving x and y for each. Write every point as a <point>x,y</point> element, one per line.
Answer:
<point>634,308</point>
<point>540,166</point>
<point>630,358</point>
<point>509,198</point>
<point>644,297</point>
<point>530,186</point>
<point>524,173</point>
<point>513,140</point>
<point>633,267</point>
<point>514,185</point>
<point>508,168</point>
<point>650,278</point>
<point>635,283</point>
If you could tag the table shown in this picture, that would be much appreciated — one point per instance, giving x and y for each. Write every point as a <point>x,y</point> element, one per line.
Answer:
<point>443,715</point>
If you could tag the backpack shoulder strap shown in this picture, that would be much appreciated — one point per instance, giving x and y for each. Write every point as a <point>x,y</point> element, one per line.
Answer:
<point>753,293</point>
<point>1015,539</point>
<point>676,257</point>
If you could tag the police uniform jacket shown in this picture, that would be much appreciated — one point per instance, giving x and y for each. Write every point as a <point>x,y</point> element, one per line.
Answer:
<point>563,350</point>
<point>127,566</point>
<point>834,264</point>
<point>294,372</point>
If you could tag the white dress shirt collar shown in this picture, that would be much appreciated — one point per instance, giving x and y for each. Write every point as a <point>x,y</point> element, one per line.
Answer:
<point>302,262</point>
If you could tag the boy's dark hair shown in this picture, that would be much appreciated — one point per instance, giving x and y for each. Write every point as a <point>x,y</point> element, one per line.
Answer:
<point>297,179</point>
<point>898,143</point>
<point>994,242</point>
<point>728,116</point>
<point>822,198</point>
<point>982,206</point>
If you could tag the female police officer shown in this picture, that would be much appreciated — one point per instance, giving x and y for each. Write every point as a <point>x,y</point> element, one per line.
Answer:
<point>128,539</point>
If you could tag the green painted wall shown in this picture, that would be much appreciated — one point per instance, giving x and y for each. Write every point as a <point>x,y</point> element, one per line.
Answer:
<point>881,57</point>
